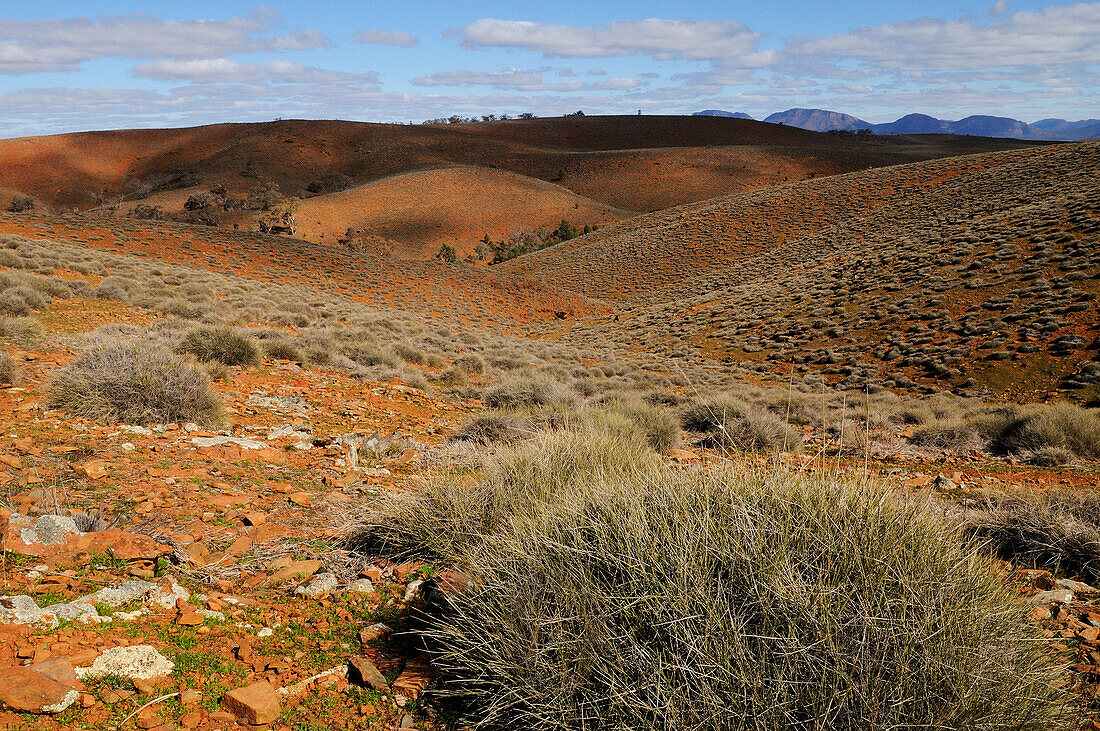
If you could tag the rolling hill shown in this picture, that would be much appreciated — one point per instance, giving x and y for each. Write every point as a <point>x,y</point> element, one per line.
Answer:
<point>634,164</point>
<point>971,273</point>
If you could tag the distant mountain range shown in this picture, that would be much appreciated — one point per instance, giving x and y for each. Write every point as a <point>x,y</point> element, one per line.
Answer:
<point>823,120</point>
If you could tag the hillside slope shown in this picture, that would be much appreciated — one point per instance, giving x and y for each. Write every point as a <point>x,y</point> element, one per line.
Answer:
<point>421,210</point>
<point>973,273</point>
<point>74,170</point>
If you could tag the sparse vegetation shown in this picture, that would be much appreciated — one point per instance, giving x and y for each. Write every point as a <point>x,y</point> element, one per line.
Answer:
<point>136,383</point>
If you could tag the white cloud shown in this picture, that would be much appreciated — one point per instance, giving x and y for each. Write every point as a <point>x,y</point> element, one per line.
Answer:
<point>386,38</point>
<point>520,80</point>
<point>658,38</point>
<point>222,70</point>
<point>1055,36</point>
<point>64,44</point>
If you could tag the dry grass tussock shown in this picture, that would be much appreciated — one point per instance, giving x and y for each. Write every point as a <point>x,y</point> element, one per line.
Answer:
<point>653,425</point>
<point>135,383</point>
<point>9,370</point>
<point>222,345</point>
<point>1060,532</point>
<point>613,591</point>
<point>726,423</point>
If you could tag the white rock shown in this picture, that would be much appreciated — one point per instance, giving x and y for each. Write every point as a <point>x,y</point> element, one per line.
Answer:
<point>137,662</point>
<point>319,584</point>
<point>413,591</point>
<point>361,586</point>
<point>202,442</point>
<point>1056,596</point>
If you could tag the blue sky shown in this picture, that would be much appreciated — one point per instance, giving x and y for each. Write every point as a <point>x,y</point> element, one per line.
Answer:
<point>67,65</point>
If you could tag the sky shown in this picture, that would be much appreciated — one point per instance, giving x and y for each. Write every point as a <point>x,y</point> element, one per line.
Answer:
<point>69,65</point>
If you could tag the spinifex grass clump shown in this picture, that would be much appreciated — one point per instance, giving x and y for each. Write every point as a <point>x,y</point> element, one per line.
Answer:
<point>637,597</point>
<point>446,517</point>
<point>729,424</point>
<point>221,345</point>
<point>135,383</point>
<point>1057,532</point>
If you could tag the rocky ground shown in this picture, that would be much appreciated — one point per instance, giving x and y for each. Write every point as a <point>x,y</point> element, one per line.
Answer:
<point>170,577</point>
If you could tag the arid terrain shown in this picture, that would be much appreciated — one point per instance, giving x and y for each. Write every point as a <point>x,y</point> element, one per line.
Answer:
<point>422,186</point>
<point>326,480</point>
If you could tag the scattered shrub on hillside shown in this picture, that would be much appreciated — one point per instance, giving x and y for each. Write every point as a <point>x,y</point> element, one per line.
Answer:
<point>471,363</point>
<point>9,258</point>
<point>612,592</point>
<point>372,354</point>
<point>728,424</point>
<point>21,204</point>
<point>135,383</point>
<point>9,370</point>
<point>283,349</point>
<point>117,288</point>
<point>410,354</point>
<point>330,183</point>
<point>23,329</point>
<point>534,390</point>
<point>1057,532</point>
<point>221,344</point>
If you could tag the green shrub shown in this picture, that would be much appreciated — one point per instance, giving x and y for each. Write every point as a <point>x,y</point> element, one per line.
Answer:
<point>221,344</point>
<point>630,596</point>
<point>728,424</point>
<point>135,383</point>
<point>9,370</point>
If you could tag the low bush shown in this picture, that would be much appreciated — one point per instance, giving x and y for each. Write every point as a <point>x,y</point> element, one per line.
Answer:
<point>533,390</point>
<point>1057,532</point>
<point>283,349</point>
<point>9,370</point>
<point>23,329</point>
<point>728,424</point>
<point>613,592</point>
<point>953,435</point>
<point>445,517</point>
<point>135,383</point>
<point>1033,428</point>
<point>221,344</point>
<point>471,363</point>
<point>659,427</point>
